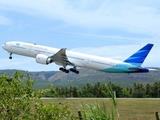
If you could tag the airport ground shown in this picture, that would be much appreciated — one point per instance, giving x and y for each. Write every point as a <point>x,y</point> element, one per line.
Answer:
<point>128,108</point>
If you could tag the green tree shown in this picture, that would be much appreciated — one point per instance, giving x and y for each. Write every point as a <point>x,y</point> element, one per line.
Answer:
<point>18,100</point>
<point>117,89</point>
<point>148,90</point>
<point>156,89</point>
<point>75,91</point>
<point>139,91</point>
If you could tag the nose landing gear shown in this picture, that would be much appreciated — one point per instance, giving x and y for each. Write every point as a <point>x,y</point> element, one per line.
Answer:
<point>10,57</point>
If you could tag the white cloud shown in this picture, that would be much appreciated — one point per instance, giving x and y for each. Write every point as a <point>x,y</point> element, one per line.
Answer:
<point>130,16</point>
<point>140,18</point>
<point>4,21</point>
<point>122,52</point>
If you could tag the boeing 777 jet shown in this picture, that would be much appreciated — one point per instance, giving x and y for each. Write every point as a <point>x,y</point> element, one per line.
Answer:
<point>63,57</point>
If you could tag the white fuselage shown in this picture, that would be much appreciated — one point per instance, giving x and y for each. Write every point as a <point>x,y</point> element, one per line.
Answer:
<point>75,59</point>
<point>79,59</point>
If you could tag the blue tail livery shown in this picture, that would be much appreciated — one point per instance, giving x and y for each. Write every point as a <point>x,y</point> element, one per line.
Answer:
<point>133,63</point>
<point>139,57</point>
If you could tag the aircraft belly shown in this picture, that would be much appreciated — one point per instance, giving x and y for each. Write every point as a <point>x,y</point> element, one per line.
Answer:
<point>97,65</point>
<point>119,68</point>
<point>115,70</point>
<point>76,62</point>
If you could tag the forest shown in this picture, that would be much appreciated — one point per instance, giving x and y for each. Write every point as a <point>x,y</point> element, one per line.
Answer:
<point>99,90</point>
<point>95,84</point>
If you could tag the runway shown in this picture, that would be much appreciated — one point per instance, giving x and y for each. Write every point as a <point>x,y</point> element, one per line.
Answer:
<point>45,98</point>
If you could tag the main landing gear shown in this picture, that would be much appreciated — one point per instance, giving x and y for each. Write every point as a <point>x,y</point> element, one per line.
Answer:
<point>63,69</point>
<point>74,70</point>
<point>10,57</point>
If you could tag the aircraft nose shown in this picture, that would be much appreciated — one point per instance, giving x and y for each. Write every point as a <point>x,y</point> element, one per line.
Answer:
<point>4,46</point>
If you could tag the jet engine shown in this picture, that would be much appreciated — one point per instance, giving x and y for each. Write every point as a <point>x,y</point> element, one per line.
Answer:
<point>43,59</point>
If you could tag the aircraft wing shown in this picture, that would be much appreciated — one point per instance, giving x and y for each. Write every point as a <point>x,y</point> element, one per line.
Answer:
<point>60,57</point>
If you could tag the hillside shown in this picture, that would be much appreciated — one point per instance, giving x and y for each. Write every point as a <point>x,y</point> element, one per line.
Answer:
<point>44,78</point>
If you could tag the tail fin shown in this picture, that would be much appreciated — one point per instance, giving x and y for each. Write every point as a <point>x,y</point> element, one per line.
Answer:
<point>139,57</point>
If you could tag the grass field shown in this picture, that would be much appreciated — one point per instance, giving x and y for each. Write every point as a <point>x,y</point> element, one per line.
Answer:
<point>129,109</point>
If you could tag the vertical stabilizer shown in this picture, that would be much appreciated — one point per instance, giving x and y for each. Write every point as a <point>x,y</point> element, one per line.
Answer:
<point>139,57</point>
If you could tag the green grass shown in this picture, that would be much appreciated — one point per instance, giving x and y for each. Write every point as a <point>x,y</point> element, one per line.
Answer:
<point>129,109</point>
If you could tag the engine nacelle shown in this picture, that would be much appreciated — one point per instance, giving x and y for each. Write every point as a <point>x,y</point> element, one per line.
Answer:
<point>43,59</point>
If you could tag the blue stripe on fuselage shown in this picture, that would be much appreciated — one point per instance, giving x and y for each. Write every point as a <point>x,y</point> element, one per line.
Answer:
<point>125,68</point>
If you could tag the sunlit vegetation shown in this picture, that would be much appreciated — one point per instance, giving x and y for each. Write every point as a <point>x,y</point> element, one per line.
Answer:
<point>20,100</point>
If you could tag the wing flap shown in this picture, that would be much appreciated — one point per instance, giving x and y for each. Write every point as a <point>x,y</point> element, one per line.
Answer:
<point>61,57</point>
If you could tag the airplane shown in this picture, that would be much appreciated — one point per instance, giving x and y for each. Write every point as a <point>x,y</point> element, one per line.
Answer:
<point>63,57</point>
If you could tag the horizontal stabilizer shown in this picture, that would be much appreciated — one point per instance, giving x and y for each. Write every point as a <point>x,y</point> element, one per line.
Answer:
<point>153,69</point>
<point>134,68</point>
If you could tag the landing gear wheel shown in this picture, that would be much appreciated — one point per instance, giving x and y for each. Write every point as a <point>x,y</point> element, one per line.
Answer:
<point>77,72</point>
<point>64,70</point>
<point>74,70</point>
<point>71,69</point>
<point>10,57</point>
<point>61,69</point>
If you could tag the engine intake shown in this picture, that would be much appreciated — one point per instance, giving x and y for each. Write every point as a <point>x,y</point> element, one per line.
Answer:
<point>43,59</point>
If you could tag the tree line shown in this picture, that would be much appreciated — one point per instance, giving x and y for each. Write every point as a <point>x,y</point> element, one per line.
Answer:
<point>99,90</point>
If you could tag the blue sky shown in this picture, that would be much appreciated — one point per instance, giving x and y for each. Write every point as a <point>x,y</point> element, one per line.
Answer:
<point>114,29</point>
